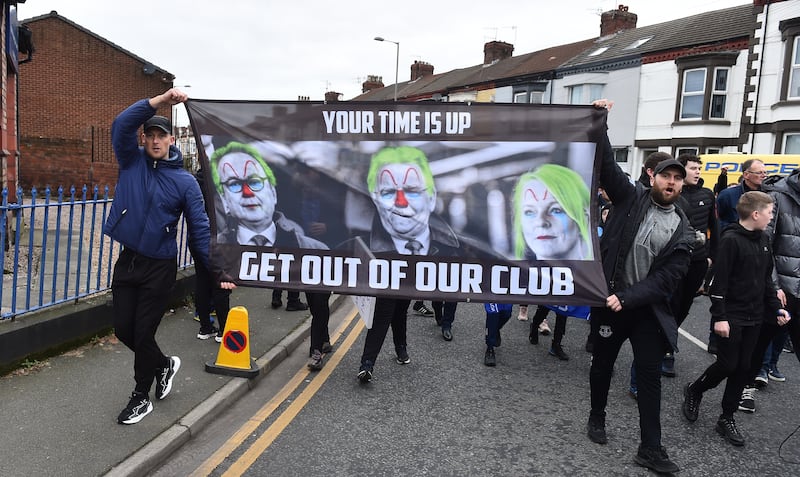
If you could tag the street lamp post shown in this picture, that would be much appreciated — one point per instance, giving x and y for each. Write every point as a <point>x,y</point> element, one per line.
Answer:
<point>396,61</point>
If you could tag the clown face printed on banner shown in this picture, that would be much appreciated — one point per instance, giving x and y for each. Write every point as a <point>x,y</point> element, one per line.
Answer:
<point>403,193</point>
<point>247,194</point>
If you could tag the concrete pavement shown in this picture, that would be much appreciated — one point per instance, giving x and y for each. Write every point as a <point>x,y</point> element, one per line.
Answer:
<point>58,416</point>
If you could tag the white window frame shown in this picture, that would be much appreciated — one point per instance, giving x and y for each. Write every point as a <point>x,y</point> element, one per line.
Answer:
<point>693,94</point>
<point>588,92</point>
<point>521,97</point>
<point>716,93</point>
<point>794,137</point>
<point>794,74</point>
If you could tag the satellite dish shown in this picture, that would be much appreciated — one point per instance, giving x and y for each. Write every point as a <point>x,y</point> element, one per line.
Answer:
<point>149,68</point>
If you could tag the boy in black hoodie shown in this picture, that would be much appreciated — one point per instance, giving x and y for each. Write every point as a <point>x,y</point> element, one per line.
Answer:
<point>742,293</point>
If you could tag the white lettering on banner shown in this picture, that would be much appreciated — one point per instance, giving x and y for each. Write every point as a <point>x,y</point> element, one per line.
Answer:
<point>252,268</point>
<point>449,277</point>
<point>329,271</point>
<point>397,122</point>
<point>349,122</point>
<point>386,274</point>
<point>556,281</point>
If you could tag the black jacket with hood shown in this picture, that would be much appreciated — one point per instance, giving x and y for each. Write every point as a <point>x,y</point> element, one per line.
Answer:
<point>652,294</point>
<point>742,291</point>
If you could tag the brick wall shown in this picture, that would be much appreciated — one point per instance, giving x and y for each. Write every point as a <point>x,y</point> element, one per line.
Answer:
<point>69,95</point>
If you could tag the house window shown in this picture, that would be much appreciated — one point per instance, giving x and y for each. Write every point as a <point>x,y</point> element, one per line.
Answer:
<point>790,34</point>
<point>532,93</point>
<point>621,154</point>
<point>794,71</point>
<point>686,150</point>
<point>791,143</point>
<point>537,97</point>
<point>585,93</point>
<point>703,86</point>
<point>521,97</point>
<point>693,88</point>
<point>713,150</point>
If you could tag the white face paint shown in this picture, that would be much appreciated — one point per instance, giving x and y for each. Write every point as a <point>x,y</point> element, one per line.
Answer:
<point>547,229</point>
<point>247,194</point>
<point>403,203</point>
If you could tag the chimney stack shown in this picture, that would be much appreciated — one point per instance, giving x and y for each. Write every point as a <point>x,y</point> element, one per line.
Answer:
<point>617,20</point>
<point>420,69</point>
<point>496,51</point>
<point>332,96</point>
<point>373,82</point>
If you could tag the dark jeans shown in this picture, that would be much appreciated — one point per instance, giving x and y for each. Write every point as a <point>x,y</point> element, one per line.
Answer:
<point>770,330</point>
<point>734,355</point>
<point>141,289</point>
<point>320,314</point>
<point>494,322</point>
<point>445,312</point>
<point>610,331</point>
<point>388,312</point>
<point>206,294</point>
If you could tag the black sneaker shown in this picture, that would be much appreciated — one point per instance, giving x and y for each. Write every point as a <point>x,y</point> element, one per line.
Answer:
<point>276,304</point>
<point>726,427</point>
<point>656,460</point>
<point>165,375</point>
<point>296,306</point>
<point>138,407</point>
<point>316,362</point>
<point>596,430</point>
<point>422,310</point>
<point>365,372</point>
<point>668,366</point>
<point>206,334</point>
<point>447,334</point>
<point>402,355</point>
<point>326,347</point>
<point>691,403</point>
<point>747,403</point>
<point>558,351</point>
<point>489,358</point>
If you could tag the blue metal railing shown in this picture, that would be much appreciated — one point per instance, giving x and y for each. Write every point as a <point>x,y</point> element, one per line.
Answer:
<point>54,250</point>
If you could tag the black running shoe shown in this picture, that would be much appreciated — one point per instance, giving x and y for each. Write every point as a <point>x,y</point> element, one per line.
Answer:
<point>402,355</point>
<point>165,376</point>
<point>365,372</point>
<point>691,403</point>
<point>489,358</point>
<point>138,407</point>
<point>596,430</point>
<point>726,427</point>
<point>656,460</point>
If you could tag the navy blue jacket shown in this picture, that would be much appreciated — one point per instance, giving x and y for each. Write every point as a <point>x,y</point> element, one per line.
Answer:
<point>652,294</point>
<point>152,194</point>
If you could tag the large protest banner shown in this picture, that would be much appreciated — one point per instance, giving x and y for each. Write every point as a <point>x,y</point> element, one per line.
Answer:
<point>450,201</point>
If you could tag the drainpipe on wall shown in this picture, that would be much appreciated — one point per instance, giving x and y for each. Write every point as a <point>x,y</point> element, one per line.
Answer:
<point>760,73</point>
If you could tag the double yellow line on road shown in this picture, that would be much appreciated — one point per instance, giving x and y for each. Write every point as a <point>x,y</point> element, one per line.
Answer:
<point>273,431</point>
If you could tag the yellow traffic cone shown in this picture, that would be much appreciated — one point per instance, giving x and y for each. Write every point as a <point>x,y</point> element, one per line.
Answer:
<point>233,357</point>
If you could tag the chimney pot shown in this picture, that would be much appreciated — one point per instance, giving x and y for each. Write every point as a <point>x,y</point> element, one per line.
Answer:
<point>496,51</point>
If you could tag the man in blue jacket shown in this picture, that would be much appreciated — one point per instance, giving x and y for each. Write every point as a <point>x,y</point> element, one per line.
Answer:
<point>152,192</point>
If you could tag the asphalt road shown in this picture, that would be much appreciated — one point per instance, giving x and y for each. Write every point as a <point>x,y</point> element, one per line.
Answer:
<point>446,414</point>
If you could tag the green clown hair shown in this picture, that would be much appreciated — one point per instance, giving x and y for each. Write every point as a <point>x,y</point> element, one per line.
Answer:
<point>569,190</point>
<point>230,148</point>
<point>400,155</point>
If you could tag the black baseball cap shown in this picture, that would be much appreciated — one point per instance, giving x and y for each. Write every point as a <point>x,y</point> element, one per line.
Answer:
<point>159,122</point>
<point>670,163</point>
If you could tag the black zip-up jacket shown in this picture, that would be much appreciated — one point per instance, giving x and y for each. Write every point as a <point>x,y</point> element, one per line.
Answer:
<point>699,207</point>
<point>652,294</point>
<point>742,292</point>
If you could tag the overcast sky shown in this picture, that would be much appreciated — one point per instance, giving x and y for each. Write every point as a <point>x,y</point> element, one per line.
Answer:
<point>282,49</point>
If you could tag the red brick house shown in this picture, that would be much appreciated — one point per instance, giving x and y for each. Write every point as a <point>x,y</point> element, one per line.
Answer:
<point>10,62</point>
<point>69,95</point>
